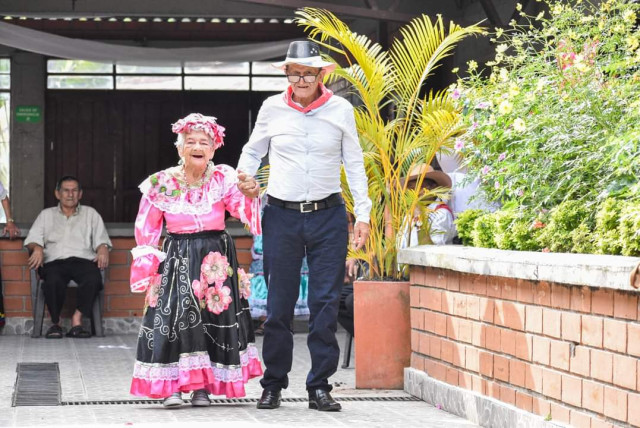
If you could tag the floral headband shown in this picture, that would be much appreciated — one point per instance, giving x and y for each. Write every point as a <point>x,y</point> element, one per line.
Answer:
<point>198,122</point>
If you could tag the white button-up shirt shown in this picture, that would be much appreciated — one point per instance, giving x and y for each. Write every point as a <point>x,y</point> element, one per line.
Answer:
<point>306,151</point>
<point>62,237</point>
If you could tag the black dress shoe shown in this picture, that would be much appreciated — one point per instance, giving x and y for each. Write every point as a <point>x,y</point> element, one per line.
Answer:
<point>321,400</point>
<point>269,400</point>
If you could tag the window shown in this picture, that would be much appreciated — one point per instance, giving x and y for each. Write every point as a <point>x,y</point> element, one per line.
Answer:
<point>198,76</point>
<point>5,117</point>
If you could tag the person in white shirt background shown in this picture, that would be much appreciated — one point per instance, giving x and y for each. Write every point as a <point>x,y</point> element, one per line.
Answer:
<point>308,135</point>
<point>441,228</point>
<point>10,230</point>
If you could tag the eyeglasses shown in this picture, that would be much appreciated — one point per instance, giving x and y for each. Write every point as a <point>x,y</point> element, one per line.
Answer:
<point>308,78</point>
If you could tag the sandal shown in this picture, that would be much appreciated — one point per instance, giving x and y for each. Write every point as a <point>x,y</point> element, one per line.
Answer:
<point>78,332</point>
<point>54,332</point>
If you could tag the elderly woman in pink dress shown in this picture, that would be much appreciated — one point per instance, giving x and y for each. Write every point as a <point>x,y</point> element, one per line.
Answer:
<point>196,333</point>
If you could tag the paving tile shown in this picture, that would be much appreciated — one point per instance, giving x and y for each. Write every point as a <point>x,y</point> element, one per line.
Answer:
<point>100,369</point>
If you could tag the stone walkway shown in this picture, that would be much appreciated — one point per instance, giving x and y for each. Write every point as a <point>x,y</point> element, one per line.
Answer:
<point>99,369</point>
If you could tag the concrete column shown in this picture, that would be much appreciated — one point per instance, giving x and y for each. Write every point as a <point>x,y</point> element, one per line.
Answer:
<point>28,80</point>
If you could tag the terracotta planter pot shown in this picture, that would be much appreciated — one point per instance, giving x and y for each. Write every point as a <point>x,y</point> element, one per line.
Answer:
<point>382,333</point>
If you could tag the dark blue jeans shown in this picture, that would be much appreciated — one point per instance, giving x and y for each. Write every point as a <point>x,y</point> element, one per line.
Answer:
<point>287,236</point>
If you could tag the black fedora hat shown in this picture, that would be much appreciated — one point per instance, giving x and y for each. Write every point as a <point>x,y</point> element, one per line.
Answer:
<point>307,53</point>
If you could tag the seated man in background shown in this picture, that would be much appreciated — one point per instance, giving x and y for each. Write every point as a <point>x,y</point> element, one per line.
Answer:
<point>69,242</point>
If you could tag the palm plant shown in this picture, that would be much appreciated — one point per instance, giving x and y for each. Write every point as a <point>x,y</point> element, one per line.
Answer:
<point>421,126</point>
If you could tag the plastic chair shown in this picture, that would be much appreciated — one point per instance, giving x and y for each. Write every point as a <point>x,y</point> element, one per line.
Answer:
<point>37,303</point>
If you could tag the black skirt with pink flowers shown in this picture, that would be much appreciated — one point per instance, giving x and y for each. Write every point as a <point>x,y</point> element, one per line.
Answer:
<point>196,330</point>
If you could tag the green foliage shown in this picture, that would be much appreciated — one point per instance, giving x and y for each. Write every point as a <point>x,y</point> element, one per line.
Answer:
<point>554,116</point>
<point>523,233</point>
<point>582,239</point>
<point>564,218</point>
<point>630,229</point>
<point>614,228</point>
<point>464,224</point>
<point>505,219</point>
<point>484,231</point>
<point>607,234</point>
<point>552,125</point>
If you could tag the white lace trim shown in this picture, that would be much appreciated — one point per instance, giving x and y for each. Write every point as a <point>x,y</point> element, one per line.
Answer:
<point>140,286</point>
<point>196,361</point>
<point>143,250</point>
<point>192,201</point>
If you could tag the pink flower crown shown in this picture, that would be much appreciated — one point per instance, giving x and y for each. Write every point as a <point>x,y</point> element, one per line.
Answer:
<point>198,122</point>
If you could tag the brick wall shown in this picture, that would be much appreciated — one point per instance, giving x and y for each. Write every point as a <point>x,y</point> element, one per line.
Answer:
<point>568,352</point>
<point>119,301</point>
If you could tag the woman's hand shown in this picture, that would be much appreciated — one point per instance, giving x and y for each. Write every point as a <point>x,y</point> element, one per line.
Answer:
<point>248,185</point>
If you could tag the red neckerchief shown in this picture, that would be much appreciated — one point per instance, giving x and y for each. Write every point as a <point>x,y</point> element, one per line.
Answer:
<point>326,94</point>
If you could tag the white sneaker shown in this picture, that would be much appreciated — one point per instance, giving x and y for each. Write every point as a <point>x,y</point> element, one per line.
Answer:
<point>175,400</point>
<point>200,398</point>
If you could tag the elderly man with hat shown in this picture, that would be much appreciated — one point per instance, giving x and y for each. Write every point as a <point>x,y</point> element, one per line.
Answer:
<point>308,134</point>
<point>442,228</point>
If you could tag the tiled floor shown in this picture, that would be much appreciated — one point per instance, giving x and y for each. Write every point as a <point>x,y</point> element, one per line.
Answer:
<point>100,369</point>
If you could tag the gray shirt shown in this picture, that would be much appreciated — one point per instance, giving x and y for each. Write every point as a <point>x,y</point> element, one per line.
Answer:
<point>79,235</point>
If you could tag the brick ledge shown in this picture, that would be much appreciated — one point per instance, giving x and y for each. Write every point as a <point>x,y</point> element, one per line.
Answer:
<point>593,270</point>
<point>479,409</point>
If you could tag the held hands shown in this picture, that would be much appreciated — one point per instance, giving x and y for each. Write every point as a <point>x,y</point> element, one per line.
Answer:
<point>248,185</point>
<point>36,258</point>
<point>360,235</point>
<point>102,257</point>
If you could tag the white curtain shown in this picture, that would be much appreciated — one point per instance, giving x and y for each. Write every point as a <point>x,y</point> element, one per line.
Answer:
<point>69,48</point>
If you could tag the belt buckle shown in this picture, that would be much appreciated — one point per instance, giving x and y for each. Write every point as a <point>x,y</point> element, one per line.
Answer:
<point>313,207</point>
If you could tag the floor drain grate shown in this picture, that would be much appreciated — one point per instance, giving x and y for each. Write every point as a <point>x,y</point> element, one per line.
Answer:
<point>37,384</point>
<point>229,401</point>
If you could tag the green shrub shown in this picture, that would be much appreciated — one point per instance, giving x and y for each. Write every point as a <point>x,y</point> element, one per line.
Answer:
<point>563,219</point>
<point>505,220</point>
<point>484,231</point>
<point>464,224</point>
<point>525,232</point>
<point>607,232</point>
<point>554,115</point>
<point>583,239</point>
<point>630,229</point>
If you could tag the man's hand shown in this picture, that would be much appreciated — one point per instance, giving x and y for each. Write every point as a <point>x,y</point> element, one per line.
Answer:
<point>36,257</point>
<point>360,235</point>
<point>11,230</point>
<point>248,185</point>
<point>102,257</point>
<point>350,270</point>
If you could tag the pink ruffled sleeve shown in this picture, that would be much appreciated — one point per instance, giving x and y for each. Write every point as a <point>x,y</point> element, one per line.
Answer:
<point>146,256</point>
<point>238,205</point>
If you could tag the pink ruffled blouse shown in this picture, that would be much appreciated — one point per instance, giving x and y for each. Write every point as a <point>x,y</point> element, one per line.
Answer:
<point>185,209</point>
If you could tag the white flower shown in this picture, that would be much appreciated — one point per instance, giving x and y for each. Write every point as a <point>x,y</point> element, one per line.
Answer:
<point>629,16</point>
<point>519,125</point>
<point>504,74</point>
<point>505,107</point>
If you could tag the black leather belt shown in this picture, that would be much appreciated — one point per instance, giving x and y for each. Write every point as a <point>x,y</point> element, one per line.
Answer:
<point>307,207</point>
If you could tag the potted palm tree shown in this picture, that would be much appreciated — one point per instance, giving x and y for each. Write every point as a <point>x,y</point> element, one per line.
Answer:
<point>420,127</point>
